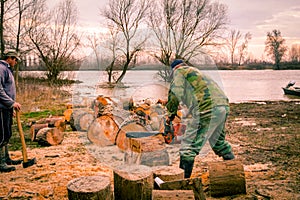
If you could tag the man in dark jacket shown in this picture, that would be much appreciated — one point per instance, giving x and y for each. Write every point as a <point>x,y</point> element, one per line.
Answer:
<point>7,106</point>
<point>208,110</point>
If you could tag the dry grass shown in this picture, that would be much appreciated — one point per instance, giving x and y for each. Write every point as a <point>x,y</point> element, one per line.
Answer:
<point>37,95</point>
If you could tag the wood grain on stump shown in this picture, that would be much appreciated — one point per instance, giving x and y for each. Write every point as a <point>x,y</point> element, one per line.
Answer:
<point>168,173</point>
<point>133,182</point>
<point>90,187</point>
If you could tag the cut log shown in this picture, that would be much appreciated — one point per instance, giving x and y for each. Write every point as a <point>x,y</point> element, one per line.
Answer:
<point>81,120</point>
<point>194,184</point>
<point>172,194</point>
<point>152,158</point>
<point>90,187</point>
<point>103,131</point>
<point>121,140</point>
<point>168,173</point>
<point>34,129</point>
<point>49,136</point>
<point>133,182</point>
<point>140,143</point>
<point>226,178</point>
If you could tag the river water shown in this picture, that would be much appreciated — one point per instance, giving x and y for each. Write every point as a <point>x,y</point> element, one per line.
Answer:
<point>239,85</point>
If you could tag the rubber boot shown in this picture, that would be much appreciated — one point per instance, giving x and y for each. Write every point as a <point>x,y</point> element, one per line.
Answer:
<point>8,160</point>
<point>3,166</point>
<point>228,156</point>
<point>187,166</point>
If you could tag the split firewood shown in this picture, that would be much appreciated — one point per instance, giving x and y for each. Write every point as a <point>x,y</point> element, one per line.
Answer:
<point>34,129</point>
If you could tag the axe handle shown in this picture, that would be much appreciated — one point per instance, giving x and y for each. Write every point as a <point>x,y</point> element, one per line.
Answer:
<point>24,151</point>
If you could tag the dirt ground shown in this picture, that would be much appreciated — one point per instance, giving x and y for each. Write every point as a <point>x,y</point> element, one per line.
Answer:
<point>265,137</point>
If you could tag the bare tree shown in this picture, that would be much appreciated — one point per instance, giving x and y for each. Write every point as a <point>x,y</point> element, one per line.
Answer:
<point>232,42</point>
<point>295,53</point>
<point>242,49</point>
<point>54,36</point>
<point>183,27</point>
<point>127,16</point>
<point>275,46</point>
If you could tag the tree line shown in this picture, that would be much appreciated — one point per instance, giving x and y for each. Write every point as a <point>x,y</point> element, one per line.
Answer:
<point>133,32</point>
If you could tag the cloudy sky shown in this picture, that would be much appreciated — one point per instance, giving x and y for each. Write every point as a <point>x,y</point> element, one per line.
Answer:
<point>256,16</point>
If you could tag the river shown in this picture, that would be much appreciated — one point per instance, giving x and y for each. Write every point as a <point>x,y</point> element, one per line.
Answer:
<point>239,85</point>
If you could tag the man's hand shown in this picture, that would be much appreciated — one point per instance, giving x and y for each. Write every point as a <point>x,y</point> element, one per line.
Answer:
<point>17,106</point>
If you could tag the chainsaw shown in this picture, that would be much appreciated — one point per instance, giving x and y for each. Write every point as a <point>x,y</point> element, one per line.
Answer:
<point>168,132</point>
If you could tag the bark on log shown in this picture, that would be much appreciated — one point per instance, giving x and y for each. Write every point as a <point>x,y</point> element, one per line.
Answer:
<point>49,136</point>
<point>90,187</point>
<point>81,120</point>
<point>121,140</point>
<point>103,131</point>
<point>54,121</point>
<point>34,129</point>
<point>226,178</point>
<point>172,194</point>
<point>133,182</point>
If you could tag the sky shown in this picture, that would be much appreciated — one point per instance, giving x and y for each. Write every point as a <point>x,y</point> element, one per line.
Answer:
<point>256,16</point>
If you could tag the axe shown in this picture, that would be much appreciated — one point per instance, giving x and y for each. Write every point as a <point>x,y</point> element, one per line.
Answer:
<point>26,163</point>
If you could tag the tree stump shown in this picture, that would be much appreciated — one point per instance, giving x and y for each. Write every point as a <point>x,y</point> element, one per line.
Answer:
<point>168,173</point>
<point>226,178</point>
<point>103,131</point>
<point>81,120</point>
<point>90,187</point>
<point>49,136</point>
<point>133,182</point>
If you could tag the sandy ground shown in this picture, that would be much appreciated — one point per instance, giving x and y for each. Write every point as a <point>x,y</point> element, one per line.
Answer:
<point>264,137</point>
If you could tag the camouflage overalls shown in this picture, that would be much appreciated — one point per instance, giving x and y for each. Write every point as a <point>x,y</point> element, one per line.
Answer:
<point>208,108</point>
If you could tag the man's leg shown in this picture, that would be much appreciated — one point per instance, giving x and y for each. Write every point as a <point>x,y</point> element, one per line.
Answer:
<point>5,134</point>
<point>217,139</point>
<point>191,144</point>
<point>8,160</point>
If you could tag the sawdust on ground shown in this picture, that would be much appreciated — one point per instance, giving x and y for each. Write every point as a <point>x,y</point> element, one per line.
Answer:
<point>264,137</point>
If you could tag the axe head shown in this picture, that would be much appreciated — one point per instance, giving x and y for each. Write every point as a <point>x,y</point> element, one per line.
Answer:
<point>29,163</point>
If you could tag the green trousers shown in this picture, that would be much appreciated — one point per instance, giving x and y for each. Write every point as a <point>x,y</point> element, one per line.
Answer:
<point>203,127</point>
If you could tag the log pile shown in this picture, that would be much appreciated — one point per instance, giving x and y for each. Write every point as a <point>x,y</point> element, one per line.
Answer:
<point>48,131</point>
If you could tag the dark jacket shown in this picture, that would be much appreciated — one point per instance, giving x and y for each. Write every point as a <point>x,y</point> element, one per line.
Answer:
<point>7,86</point>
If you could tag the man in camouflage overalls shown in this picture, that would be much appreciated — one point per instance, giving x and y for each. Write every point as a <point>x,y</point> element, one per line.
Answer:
<point>208,108</point>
